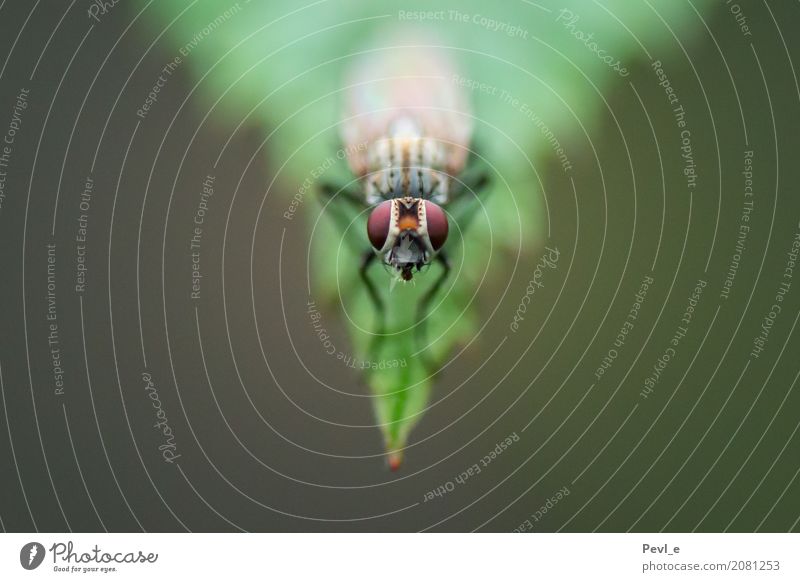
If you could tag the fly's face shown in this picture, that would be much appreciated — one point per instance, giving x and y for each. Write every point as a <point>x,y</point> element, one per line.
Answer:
<point>407,233</point>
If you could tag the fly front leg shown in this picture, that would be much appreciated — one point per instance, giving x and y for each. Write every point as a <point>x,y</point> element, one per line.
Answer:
<point>350,192</point>
<point>468,194</point>
<point>329,195</point>
<point>425,302</point>
<point>354,198</point>
<point>380,309</point>
<point>473,180</point>
<point>465,213</point>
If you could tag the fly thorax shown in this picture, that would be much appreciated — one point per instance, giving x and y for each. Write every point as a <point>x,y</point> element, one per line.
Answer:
<point>406,165</point>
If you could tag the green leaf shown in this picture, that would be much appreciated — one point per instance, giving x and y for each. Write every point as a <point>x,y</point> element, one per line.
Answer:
<point>542,82</point>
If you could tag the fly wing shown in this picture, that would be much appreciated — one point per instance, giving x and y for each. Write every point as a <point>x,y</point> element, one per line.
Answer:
<point>407,85</point>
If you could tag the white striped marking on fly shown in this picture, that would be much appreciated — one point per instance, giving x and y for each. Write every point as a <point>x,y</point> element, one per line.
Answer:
<point>416,126</point>
<point>405,178</point>
<point>406,164</point>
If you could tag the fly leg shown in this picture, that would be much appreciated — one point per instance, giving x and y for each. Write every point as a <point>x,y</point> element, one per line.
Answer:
<point>329,192</point>
<point>466,197</point>
<point>328,195</point>
<point>348,192</point>
<point>466,200</point>
<point>473,179</point>
<point>367,259</point>
<point>425,302</point>
<point>464,213</point>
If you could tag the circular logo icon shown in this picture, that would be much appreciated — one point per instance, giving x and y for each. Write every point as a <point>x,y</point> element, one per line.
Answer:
<point>31,555</point>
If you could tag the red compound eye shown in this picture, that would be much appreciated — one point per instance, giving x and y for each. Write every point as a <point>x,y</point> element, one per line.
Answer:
<point>380,220</point>
<point>437,224</point>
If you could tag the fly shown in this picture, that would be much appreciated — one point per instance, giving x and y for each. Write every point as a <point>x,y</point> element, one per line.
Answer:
<point>408,128</point>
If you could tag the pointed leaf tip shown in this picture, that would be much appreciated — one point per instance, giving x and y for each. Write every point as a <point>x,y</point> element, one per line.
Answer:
<point>395,459</point>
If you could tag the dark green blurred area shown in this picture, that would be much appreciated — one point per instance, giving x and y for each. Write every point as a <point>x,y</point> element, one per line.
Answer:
<point>713,446</point>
